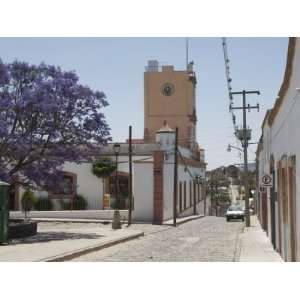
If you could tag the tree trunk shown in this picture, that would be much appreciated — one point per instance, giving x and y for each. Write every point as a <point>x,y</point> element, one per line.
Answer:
<point>103,188</point>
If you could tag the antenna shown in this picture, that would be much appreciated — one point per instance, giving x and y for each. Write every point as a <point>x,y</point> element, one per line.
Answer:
<point>187,51</point>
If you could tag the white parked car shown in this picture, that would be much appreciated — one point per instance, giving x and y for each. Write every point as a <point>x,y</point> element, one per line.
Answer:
<point>235,212</point>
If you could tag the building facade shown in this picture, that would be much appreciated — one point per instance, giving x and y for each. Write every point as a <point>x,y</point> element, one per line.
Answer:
<point>278,155</point>
<point>170,96</point>
<point>169,103</point>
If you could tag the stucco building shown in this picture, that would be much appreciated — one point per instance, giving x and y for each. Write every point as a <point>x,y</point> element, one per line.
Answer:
<point>278,155</point>
<point>169,102</point>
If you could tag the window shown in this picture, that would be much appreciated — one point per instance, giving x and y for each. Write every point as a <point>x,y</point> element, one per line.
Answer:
<point>67,188</point>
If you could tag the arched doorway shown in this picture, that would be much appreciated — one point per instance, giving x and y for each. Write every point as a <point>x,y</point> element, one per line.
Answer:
<point>123,189</point>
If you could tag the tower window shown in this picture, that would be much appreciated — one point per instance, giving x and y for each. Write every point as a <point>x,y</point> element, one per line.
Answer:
<point>167,89</point>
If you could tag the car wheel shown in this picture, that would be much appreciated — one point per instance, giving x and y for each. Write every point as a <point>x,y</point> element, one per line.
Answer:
<point>243,219</point>
<point>227,219</point>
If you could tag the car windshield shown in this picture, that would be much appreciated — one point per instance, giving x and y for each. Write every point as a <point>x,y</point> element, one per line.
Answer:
<point>235,208</point>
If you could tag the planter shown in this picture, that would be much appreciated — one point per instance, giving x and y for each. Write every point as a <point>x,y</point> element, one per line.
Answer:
<point>18,229</point>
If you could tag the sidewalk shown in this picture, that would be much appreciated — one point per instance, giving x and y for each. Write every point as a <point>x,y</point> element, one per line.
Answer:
<point>255,245</point>
<point>60,244</point>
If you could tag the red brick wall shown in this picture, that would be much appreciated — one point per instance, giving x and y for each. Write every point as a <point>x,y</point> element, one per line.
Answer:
<point>158,187</point>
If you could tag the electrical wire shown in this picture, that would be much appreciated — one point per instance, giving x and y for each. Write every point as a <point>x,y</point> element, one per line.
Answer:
<point>185,166</point>
<point>229,88</point>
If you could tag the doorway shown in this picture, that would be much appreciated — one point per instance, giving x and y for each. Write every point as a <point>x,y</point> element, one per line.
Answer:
<point>272,204</point>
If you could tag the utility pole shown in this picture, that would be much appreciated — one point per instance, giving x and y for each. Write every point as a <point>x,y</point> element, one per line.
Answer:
<point>175,177</point>
<point>244,138</point>
<point>204,195</point>
<point>216,199</point>
<point>187,51</point>
<point>130,176</point>
<point>194,204</point>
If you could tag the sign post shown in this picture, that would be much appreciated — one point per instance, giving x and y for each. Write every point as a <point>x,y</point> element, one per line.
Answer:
<point>266,181</point>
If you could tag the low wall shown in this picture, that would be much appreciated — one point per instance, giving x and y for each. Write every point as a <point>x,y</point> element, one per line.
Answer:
<point>71,214</point>
<point>190,210</point>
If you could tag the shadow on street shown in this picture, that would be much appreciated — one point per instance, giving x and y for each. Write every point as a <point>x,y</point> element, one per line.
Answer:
<point>43,237</point>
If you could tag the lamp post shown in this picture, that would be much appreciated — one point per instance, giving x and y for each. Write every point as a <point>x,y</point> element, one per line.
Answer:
<point>116,224</point>
<point>237,148</point>
<point>116,148</point>
<point>199,181</point>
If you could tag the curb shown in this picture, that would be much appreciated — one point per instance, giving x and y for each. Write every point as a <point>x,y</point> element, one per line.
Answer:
<point>74,221</point>
<point>83,251</point>
<point>179,222</point>
<point>104,222</point>
<point>238,244</point>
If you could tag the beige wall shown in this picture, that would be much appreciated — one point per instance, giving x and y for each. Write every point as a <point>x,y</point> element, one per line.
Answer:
<point>176,109</point>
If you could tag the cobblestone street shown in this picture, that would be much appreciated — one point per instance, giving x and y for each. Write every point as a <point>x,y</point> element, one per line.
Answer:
<point>205,239</point>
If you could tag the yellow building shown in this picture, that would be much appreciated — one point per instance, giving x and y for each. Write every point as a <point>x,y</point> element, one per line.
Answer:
<point>170,96</point>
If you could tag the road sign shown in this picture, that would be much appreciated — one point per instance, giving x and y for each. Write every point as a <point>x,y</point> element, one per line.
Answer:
<point>262,189</point>
<point>266,180</point>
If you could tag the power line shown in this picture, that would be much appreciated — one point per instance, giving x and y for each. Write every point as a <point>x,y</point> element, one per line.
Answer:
<point>229,88</point>
<point>185,166</point>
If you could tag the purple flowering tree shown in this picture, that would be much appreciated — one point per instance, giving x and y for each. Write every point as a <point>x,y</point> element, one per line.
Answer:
<point>46,119</point>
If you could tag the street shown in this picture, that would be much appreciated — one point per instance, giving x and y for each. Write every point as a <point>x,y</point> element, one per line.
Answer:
<point>206,239</point>
<point>234,193</point>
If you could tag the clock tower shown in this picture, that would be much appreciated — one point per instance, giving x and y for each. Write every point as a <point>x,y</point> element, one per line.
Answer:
<point>169,96</point>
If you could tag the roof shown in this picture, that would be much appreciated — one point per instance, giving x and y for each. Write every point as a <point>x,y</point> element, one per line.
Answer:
<point>165,128</point>
<point>286,80</point>
<point>137,149</point>
<point>259,147</point>
<point>266,118</point>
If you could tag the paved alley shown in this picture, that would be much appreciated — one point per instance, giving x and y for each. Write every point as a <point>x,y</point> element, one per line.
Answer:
<point>205,239</point>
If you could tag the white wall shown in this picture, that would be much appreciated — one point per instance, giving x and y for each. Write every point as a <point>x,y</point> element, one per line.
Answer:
<point>88,185</point>
<point>285,134</point>
<point>143,192</point>
<point>168,182</point>
<point>72,214</point>
<point>266,170</point>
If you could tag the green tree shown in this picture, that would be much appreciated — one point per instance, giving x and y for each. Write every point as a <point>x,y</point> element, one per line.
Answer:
<point>218,184</point>
<point>103,167</point>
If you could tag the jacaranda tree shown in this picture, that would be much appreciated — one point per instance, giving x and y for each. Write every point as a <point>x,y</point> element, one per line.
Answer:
<point>46,118</point>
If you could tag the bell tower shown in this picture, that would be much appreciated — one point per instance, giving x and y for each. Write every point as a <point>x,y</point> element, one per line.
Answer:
<point>170,96</point>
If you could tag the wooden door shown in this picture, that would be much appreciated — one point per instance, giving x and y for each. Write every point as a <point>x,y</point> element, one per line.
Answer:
<point>264,211</point>
<point>292,207</point>
<point>279,201</point>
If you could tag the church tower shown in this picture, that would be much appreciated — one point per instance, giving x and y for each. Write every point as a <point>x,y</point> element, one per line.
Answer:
<point>169,96</point>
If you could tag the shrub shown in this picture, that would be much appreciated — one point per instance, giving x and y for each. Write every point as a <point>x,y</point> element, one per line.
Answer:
<point>122,204</point>
<point>43,204</point>
<point>28,200</point>
<point>78,203</point>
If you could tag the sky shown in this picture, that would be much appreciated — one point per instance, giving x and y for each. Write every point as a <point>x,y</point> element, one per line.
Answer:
<point>116,65</point>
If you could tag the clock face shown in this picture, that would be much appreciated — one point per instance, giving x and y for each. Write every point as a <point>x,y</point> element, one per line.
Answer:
<point>168,89</point>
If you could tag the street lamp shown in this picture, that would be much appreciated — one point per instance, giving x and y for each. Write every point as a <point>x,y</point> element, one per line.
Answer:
<point>116,224</point>
<point>237,148</point>
<point>198,180</point>
<point>116,148</point>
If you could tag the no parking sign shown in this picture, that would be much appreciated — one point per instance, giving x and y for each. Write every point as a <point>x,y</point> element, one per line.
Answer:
<point>266,181</point>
